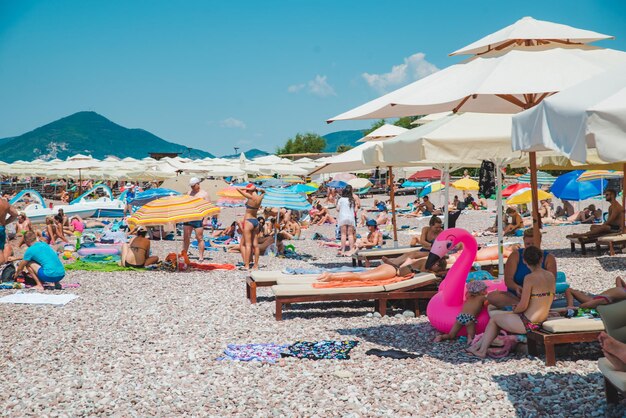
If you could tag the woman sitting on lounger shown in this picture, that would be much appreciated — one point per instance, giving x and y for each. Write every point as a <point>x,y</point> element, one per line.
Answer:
<point>137,252</point>
<point>373,239</point>
<point>612,295</point>
<point>429,234</point>
<point>532,310</point>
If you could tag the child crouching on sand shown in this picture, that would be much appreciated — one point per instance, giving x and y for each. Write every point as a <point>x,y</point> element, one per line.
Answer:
<point>476,298</point>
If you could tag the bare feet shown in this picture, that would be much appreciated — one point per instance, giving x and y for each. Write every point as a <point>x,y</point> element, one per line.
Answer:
<point>324,277</point>
<point>473,349</point>
<point>442,337</point>
<point>38,287</point>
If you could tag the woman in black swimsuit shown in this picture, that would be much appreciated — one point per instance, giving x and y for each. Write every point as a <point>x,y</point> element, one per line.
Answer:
<point>250,226</point>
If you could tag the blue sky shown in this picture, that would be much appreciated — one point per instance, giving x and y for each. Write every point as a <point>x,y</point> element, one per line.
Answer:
<point>214,75</point>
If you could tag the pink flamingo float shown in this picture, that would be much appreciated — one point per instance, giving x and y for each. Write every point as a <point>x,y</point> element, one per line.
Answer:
<point>447,303</point>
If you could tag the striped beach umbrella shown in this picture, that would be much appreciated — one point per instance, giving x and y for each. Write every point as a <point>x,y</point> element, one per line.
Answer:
<point>543,178</point>
<point>435,186</point>
<point>149,195</point>
<point>285,198</point>
<point>303,188</point>
<point>591,175</point>
<point>230,192</point>
<point>513,188</point>
<point>172,210</point>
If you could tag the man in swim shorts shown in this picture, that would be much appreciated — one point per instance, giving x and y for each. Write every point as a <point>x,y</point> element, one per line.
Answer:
<point>8,214</point>
<point>197,226</point>
<point>614,222</point>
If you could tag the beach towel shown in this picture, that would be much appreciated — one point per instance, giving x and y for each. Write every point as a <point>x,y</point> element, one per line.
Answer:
<point>212,266</point>
<point>313,270</point>
<point>99,266</point>
<point>361,283</point>
<point>267,353</point>
<point>38,299</point>
<point>321,350</point>
<point>391,353</point>
<point>101,258</point>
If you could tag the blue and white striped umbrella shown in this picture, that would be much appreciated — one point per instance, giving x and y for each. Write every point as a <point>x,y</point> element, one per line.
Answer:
<point>285,198</point>
<point>303,188</point>
<point>151,194</point>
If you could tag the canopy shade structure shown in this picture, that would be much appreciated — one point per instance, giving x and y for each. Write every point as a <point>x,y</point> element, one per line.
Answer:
<point>527,32</point>
<point>171,210</point>
<point>525,196</point>
<point>384,132</point>
<point>499,82</point>
<point>589,115</point>
<point>567,187</point>
<point>543,178</point>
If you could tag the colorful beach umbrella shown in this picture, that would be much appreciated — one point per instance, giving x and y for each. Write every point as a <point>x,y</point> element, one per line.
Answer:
<point>427,174</point>
<point>513,188</point>
<point>285,198</point>
<point>172,210</point>
<point>416,184</point>
<point>303,188</point>
<point>591,175</point>
<point>292,179</point>
<point>435,186</point>
<point>543,178</point>
<point>231,193</point>
<point>524,196</point>
<point>335,184</point>
<point>152,194</point>
<point>465,184</point>
<point>567,187</point>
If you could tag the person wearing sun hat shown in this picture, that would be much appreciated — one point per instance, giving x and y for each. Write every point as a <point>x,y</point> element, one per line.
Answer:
<point>374,237</point>
<point>129,188</point>
<point>195,226</point>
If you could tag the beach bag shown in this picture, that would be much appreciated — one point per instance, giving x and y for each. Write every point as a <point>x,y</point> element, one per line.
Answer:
<point>7,272</point>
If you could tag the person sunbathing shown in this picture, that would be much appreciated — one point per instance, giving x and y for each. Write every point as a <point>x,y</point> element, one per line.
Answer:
<point>614,351</point>
<point>588,215</point>
<point>565,211</point>
<point>291,229</point>
<point>514,221</point>
<point>533,309</point>
<point>612,295</point>
<point>614,222</point>
<point>373,239</point>
<point>22,226</point>
<point>426,208</point>
<point>136,253</point>
<point>381,219</point>
<point>324,216</point>
<point>429,234</point>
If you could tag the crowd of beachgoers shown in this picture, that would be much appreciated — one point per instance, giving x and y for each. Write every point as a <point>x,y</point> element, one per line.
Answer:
<point>166,337</point>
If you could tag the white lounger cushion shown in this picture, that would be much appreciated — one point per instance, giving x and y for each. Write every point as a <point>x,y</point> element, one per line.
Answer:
<point>617,378</point>
<point>613,238</point>
<point>573,325</point>
<point>298,279</point>
<point>387,251</point>
<point>275,275</point>
<point>417,279</point>
<point>309,290</point>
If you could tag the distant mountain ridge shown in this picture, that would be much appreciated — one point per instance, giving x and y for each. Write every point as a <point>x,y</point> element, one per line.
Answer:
<point>334,139</point>
<point>88,133</point>
<point>250,154</point>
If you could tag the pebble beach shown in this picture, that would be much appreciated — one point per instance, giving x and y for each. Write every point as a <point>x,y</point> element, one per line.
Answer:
<point>148,343</point>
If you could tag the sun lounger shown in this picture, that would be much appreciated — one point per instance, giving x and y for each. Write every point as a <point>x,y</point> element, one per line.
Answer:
<point>612,241</point>
<point>584,240</point>
<point>614,381</point>
<point>271,278</point>
<point>614,318</point>
<point>420,287</point>
<point>365,256</point>
<point>562,331</point>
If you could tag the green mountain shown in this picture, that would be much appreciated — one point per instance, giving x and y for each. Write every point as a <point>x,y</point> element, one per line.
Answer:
<point>88,133</point>
<point>334,139</point>
<point>250,154</point>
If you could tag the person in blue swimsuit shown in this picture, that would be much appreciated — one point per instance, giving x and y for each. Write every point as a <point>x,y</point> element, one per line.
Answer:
<point>250,226</point>
<point>515,270</point>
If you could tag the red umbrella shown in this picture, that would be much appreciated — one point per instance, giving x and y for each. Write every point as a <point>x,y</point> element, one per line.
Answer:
<point>514,188</point>
<point>431,173</point>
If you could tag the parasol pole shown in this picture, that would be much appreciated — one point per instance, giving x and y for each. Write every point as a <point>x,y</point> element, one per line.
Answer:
<point>446,200</point>
<point>535,197</point>
<point>499,220</point>
<point>623,192</point>
<point>392,197</point>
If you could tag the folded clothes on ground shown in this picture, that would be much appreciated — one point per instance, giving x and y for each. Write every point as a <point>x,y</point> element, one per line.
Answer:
<point>321,350</point>
<point>267,353</point>
<point>394,354</point>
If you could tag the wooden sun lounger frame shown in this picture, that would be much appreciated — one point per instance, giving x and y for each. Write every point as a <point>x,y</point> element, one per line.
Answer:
<point>612,244</point>
<point>251,286</point>
<point>420,291</point>
<point>549,339</point>
<point>582,241</point>
<point>612,393</point>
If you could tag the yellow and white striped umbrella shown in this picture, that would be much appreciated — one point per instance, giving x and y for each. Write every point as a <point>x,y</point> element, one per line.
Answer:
<point>590,175</point>
<point>524,196</point>
<point>172,210</point>
<point>231,193</point>
<point>292,179</point>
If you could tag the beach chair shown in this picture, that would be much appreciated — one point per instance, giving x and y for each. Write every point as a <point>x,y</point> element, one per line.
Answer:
<point>365,256</point>
<point>562,331</point>
<point>421,287</point>
<point>614,318</point>
<point>362,192</point>
<point>611,241</point>
<point>270,278</point>
<point>582,241</point>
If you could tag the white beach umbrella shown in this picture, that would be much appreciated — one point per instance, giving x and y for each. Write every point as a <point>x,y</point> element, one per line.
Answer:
<point>528,32</point>
<point>384,132</point>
